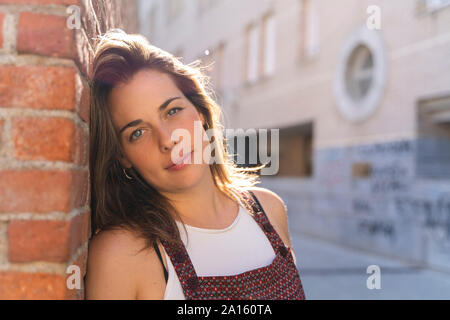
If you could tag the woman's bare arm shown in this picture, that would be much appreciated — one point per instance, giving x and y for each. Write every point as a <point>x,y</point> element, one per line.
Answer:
<point>115,269</point>
<point>109,272</point>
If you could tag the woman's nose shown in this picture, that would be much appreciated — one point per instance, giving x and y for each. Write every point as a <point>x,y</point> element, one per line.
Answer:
<point>165,139</point>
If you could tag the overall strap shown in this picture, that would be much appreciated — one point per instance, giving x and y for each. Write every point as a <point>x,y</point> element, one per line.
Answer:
<point>183,266</point>
<point>166,273</point>
<point>254,206</point>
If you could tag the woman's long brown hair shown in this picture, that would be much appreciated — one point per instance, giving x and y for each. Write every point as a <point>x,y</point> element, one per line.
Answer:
<point>120,203</point>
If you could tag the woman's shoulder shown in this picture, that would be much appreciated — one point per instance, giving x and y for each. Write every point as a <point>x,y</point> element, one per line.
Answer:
<point>113,242</point>
<point>268,196</point>
<point>114,264</point>
<point>275,210</point>
<point>270,201</point>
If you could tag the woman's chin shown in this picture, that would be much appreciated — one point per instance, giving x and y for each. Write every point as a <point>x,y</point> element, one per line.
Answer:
<point>187,176</point>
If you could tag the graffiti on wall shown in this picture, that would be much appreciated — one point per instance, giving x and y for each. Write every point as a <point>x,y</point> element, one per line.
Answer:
<point>388,178</point>
<point>388,199</point>
<point>375,227</point>
<point>394,147</point>
<point>432,214</point>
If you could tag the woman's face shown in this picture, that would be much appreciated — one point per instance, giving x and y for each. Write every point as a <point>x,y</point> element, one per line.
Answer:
<point>145,111</point>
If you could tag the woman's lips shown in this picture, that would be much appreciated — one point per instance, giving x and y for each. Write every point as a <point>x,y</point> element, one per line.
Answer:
<point>179,161</point>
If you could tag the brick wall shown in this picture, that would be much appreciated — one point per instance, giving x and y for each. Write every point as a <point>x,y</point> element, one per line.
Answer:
<point>44,114</point>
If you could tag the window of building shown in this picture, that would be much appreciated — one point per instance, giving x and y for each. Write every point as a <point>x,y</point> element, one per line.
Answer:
<point>174,8</point>
<point>213,61</point>
<point>178,53</point>
<point>249,156</point>
<point>288,155</point>
<point>153,23</point>
<point>433,144</point>
<point>309,28</point>
<point>204,5</point>
<point>434,5</point>
<point>269,51</point>
<point>361,74</point>
<point>253,48</point>
<point>295,151</point>
<point>218,71</point>
<point>244,146</point>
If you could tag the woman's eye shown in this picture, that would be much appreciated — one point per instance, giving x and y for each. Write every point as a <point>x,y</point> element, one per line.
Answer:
<point>133,135</point>
<point>177,108</point>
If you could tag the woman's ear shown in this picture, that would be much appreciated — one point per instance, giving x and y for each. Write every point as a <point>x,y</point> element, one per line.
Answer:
<point>124,162</point>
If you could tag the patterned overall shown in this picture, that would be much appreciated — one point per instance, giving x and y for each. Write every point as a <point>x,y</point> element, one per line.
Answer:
<point>278,280</point>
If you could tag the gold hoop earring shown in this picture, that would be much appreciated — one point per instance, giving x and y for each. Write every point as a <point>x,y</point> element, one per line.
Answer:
<point>128,177</point>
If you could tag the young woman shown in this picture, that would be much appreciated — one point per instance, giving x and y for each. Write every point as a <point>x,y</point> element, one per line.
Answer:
<point>163,225</point>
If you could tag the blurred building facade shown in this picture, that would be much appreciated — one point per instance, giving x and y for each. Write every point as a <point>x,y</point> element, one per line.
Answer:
<point>360,91</point>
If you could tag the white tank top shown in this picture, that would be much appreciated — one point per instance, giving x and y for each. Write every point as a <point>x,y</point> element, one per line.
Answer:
<point>240,247</point>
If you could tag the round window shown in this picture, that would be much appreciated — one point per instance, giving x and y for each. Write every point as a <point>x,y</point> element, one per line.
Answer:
<point>359,73</point>
<point>360,76</point>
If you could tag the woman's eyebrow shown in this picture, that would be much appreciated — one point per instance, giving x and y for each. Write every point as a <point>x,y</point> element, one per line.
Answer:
<point>138,121</point>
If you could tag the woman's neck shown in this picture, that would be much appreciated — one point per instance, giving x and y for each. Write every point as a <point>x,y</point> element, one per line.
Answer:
<point>205,206</point>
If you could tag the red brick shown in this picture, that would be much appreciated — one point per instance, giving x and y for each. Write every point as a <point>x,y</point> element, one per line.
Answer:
<point>84,108</point>
<point>82,147</point>
<point>79,189</point>
<point>34,240</point>
<point>37,87</point>
<point>62,2</point>
<point>43,191</point>
<point>32,286</point>
<point>84,54</point>
<point>82,262</point>
<point>45,35</point>
<point>52,139</point>
<point>46,240</point>
<point>2,16</point>
<point>79,231</point>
